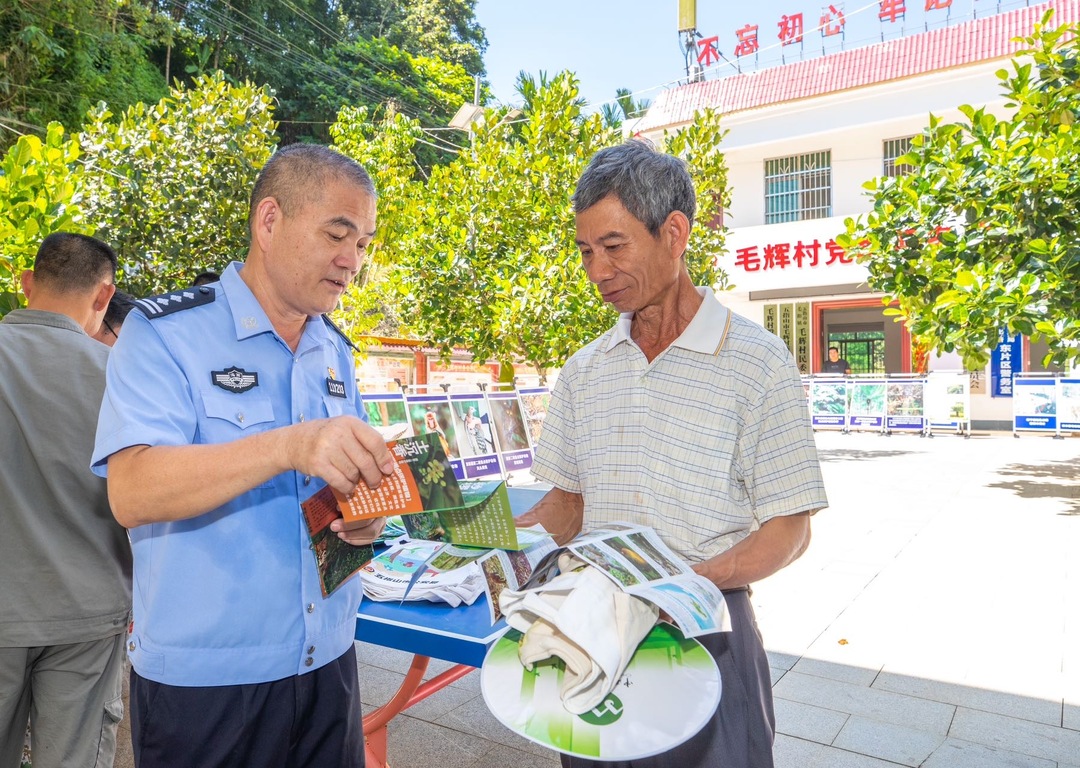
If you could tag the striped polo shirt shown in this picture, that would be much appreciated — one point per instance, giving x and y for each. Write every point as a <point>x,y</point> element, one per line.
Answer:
<point>705,443</point>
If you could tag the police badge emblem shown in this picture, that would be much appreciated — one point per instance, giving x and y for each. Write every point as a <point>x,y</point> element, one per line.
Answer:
<point>235,379</point>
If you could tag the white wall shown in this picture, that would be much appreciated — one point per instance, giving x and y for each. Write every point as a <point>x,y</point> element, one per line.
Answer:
<point>852,125</point>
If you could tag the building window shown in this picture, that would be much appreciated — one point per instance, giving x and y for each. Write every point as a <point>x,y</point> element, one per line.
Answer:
<point>798,187</point>
<point>891,150</point>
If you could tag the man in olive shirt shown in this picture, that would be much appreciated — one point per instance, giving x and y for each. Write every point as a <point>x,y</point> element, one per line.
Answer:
<point>65,563</point>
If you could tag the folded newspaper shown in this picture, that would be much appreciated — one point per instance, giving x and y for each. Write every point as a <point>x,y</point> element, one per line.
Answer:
<point>411,569</point>
<point>638,562</point>
<point>590,604</point>
<point>424,570</point>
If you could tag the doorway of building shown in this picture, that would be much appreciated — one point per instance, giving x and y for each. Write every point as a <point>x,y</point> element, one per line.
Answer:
<point>869,340</point>
<point>863,346</point>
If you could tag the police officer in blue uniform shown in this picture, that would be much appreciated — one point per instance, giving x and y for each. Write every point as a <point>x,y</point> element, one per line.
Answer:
<point>226,406</point>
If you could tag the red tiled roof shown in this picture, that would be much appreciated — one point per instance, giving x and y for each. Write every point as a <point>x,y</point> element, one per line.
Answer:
<point>970,42</point>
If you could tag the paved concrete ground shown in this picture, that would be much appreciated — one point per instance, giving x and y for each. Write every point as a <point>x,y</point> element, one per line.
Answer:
<point>934,621</point>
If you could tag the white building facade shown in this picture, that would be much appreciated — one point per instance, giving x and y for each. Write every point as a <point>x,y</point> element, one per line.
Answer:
<point>802,140</point>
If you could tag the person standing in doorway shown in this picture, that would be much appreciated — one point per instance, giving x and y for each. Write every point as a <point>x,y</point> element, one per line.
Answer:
<point>835,363</point>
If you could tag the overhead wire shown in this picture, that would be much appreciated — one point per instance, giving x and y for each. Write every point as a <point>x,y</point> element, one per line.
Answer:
<point>337,38</point>
<point>217,21</point>
<point>272,42</point>
<point>275,44</point>
<point>261,37</point>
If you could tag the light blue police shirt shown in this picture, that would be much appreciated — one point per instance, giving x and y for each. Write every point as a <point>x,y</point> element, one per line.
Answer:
<point>231,596</point>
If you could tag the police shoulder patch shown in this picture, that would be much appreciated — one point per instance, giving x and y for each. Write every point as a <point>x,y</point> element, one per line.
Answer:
<point>167,303</point>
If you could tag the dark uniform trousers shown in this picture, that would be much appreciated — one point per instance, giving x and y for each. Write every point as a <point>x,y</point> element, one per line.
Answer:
<point>306,721</point>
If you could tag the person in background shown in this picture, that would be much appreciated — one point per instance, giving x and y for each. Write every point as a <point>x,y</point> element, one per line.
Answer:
<point>835,363</point>
<point>226,406</point>
<point>65,563</point>
<point>205,278</point>
<point>119,306</point>
<point>733,493</point>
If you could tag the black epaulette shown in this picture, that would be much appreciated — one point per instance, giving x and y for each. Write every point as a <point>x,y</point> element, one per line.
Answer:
<point>341,333</point>
<point>167,303</point>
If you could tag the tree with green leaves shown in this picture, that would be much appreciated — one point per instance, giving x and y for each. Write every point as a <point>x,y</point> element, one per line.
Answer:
<point>984,234</point>
<point>40,191</point>
<point>624,107</point>
<point>168,184</point>
<point>385,147</point>
<point>426,88</point>
<point>317,56</point>
<point>443,29</point>
<point>482,255</point>
<point>59,58</point>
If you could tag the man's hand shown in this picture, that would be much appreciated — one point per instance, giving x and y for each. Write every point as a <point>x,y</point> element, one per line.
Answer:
<point>343,451</point>
<point>364,534</point>
<point>559,512</point>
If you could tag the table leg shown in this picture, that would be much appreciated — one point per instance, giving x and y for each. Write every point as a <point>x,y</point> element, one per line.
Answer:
<point>410,692</point>
<point>375,723</point>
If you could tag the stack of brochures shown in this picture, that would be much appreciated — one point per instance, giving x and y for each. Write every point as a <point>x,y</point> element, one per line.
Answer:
<point>424,570</point>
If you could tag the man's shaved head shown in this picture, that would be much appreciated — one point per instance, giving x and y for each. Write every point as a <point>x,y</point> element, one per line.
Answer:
<point>297,175</point>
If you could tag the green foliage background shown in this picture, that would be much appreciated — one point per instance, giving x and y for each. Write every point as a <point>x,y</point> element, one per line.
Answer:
<point>984,234</point>
<point>41,188</point>
<point>167,184</point>
<point>477,252</point>
<point>60,58</point>
<point>480,253</point>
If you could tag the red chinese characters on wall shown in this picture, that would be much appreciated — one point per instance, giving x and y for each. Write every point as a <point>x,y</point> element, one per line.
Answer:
<point>891,10</point>
<point>708,50</point>
<point>748,42</point>
<point>798,255</point>
<point>832,21</point>
<point>791,29</point>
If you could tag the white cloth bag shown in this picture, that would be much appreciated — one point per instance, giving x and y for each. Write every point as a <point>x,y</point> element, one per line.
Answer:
<point>585,619</point>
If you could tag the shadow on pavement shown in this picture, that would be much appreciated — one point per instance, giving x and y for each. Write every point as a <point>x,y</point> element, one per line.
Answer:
<point>1056,479</point>
<point>845,454</point>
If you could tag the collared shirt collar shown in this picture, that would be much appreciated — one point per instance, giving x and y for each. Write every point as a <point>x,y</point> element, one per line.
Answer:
<point>705,333</point>
<point>250,319</point>
<point>41,317</point>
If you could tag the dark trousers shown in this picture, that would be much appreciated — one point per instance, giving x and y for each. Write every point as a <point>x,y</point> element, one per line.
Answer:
<point>740,734</point>
<point>308,720</point>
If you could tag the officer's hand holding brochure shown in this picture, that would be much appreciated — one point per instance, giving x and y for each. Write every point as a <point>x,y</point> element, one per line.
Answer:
<point>433,503</point>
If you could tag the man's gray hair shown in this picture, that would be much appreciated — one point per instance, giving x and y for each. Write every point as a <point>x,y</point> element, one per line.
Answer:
<point>649,184</point>
<point>299,173</point>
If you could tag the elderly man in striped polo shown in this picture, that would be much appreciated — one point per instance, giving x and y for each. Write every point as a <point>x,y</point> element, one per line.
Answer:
<point>685,417</point>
